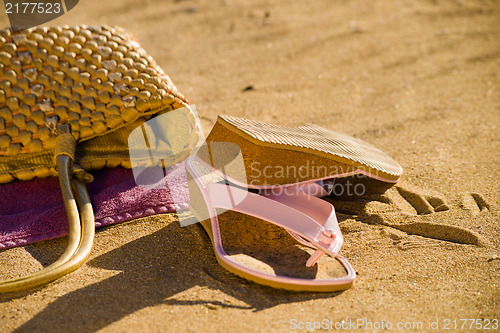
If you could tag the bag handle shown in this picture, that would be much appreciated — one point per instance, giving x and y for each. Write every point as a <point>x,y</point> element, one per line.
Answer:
<point>80,218</point>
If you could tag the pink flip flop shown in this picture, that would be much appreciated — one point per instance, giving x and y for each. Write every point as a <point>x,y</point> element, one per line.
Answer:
<point>266,225</point>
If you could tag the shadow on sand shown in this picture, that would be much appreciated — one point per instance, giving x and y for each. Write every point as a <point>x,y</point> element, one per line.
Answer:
<point>154,269</point>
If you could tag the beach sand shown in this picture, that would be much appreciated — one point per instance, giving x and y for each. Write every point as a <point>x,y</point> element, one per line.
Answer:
<point>418,79</point>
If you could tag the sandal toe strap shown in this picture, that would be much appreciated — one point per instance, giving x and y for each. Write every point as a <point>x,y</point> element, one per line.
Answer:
<point>302,215</point>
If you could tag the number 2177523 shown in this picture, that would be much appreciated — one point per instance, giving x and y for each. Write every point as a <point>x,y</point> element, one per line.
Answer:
<point>32,8</point>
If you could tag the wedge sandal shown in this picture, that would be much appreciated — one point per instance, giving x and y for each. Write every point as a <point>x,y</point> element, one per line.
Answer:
<point>254,187</point>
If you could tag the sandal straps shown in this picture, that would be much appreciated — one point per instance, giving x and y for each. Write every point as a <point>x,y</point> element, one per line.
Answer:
<point>301,214</point>
<point>300,199</point>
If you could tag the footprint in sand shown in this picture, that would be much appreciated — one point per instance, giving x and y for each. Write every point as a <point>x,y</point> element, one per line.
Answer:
<point>416,217</point>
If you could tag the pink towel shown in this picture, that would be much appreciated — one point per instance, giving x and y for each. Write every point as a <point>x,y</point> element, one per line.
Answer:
<point>33,211</point>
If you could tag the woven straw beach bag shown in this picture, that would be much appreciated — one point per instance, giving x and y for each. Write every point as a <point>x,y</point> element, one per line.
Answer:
<point>69,98</point>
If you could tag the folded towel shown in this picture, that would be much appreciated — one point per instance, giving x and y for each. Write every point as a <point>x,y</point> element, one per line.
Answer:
<point>33,211</point>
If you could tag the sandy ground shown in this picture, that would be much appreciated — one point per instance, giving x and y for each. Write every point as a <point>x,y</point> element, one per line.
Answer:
<point>418,79</point>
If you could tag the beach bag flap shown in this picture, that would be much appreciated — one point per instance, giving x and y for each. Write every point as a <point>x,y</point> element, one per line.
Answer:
<point>95,79</point>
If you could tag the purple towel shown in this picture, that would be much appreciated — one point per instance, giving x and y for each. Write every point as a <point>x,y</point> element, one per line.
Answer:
<point>33,211</point>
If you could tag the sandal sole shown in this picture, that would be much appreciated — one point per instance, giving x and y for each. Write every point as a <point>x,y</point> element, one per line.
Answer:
<point>336,154</point>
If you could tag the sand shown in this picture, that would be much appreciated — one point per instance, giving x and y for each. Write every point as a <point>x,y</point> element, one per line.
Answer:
<point>418,79</point>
